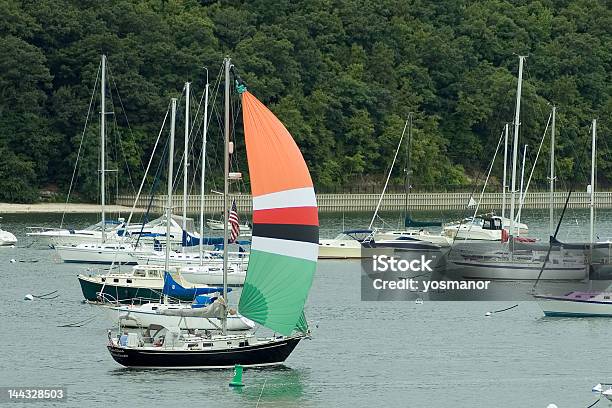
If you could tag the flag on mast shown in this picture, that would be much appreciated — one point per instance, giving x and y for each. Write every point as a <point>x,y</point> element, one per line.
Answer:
<point>234,224</point>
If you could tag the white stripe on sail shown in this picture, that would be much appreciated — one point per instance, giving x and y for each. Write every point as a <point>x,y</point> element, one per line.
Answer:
<point>295,249</point>
<point>297,197</point>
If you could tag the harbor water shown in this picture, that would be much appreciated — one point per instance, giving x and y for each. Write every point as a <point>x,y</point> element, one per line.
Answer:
<point>362,354</point>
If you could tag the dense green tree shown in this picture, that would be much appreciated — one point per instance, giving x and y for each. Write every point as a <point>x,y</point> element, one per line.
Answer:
<point>343,76</point>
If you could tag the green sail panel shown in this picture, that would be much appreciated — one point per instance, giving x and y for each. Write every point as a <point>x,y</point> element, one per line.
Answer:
<point>274,294</point>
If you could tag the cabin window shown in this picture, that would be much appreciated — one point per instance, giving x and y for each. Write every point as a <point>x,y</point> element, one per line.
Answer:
<point>207,344</point>
<point>116,280</point>
<point>243,344</point>
<point>103,279</point>
<point>128,281</point>
<point>606,297</point>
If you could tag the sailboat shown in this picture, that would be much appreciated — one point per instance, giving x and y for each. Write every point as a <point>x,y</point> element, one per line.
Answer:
<point>281,267</point>
<point>581,303</point>
<point>415,236</point>
<point>512,264</point>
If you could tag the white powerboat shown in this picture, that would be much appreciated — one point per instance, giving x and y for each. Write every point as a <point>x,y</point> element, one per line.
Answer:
<point>7,238</point>
<point>482,228</point>
<point>345,245</point>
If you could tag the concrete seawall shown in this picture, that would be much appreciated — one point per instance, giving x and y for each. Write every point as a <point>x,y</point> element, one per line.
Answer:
<point>337,203</point>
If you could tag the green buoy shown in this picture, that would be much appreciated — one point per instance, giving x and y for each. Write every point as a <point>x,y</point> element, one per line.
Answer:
<point>237,380</point>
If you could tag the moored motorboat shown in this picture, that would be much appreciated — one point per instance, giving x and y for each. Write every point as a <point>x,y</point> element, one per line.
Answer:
<point>345,245</point>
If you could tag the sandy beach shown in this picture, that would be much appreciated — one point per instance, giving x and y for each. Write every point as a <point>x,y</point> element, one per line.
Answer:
<point>9,208</point>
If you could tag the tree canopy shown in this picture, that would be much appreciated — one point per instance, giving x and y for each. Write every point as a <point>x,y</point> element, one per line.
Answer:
<point>341,75</point>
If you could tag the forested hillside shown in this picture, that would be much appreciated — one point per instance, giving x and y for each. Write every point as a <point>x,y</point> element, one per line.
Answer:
<point>342,76</point>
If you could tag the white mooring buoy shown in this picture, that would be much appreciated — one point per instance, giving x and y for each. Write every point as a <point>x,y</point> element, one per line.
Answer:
<point>551,406</point>
<point>28,297</point>
<point>13,260</point>
<point>488,314</point>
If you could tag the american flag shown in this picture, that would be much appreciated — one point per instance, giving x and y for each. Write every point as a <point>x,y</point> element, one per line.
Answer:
<point>234,224</point>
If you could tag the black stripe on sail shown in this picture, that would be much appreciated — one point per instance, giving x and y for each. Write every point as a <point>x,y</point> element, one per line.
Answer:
<point>291,232</point>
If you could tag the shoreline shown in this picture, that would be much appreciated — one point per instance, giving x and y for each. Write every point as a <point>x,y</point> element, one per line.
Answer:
<point>58,208</point>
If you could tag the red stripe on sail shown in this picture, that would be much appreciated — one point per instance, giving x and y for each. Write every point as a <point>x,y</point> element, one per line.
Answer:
<point>288,215</point>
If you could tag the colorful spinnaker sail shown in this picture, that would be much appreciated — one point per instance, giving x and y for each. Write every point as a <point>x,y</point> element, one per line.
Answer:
<point>285,242</point>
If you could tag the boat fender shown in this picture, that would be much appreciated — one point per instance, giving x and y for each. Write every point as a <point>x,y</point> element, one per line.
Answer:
<point>504,235</point>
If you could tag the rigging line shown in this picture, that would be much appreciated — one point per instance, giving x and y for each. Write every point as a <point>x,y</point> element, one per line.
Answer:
<point>550,242</point>
<point>112,77</point>
<point>501,137</point>
<point>475,186</point>
<point>144,177</point>
<point>81,144</point>
<point>155,180</point>
<point>211,105</point>
<point>535,162</point>
<point>388,176</point>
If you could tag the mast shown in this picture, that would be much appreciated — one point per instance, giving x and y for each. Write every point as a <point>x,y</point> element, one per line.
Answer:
<point>515,141</point>
<point>399,145</point>
<point>185,158</point>
<point>521,195</point>
<point>203,173</point>
<point>551,212</point>
<point>103,146</point>
<point>225,183</point>
<point>170,178</point>
<point>505,185</point>
<point>407,180</point>
<point>593,170</point>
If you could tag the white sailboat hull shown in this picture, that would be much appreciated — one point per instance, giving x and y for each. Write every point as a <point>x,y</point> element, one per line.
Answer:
<point>97,253</point>
<point>574,308</point>
<point>202,276</point>
<point>518,270</point>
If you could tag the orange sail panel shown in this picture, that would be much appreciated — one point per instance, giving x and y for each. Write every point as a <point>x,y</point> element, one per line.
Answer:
<point>275,161</point>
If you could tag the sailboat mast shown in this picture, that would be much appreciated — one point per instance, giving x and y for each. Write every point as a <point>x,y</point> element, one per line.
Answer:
<point>203,173</point>
<point>593,170</point>
<point>407,180</point>
<point>515,141</point>
<point>225,182</point>
<point>504,184</point>
<point>185,157</point>
<point>522,194</point>
<point>170,178</point>
<point>103,146</point>
<point>551,211</point>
